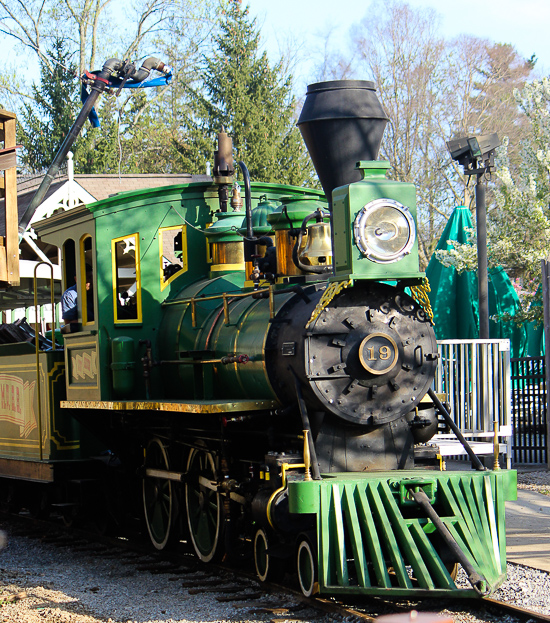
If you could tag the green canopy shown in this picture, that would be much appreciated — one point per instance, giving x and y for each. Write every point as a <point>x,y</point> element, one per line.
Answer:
<point>535,335</point>
<point>454,296</point>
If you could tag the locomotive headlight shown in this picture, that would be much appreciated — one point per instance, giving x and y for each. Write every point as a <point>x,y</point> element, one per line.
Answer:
<point>384,230</point>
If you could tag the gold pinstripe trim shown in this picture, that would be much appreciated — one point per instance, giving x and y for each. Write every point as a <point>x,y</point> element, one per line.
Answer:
<point>175,407</point>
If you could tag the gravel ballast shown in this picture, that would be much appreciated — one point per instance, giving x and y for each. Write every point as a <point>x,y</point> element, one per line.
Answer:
<point>65,586</point>
<point>55,584</point>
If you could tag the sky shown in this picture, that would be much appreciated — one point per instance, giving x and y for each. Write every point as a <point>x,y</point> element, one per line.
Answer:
<point>503,21</point>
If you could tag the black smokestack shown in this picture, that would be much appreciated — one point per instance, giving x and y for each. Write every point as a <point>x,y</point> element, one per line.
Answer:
<point>341,123</point>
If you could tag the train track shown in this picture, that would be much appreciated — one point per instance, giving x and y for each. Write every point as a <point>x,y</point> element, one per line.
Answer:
<point>239,588</point>
<point>487,609</point>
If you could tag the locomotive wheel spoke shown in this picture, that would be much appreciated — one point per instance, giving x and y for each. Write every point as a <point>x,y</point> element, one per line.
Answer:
<point>206,483</point>
<point>213,508</point>
<point>203,504</point>
<point>158,497</point>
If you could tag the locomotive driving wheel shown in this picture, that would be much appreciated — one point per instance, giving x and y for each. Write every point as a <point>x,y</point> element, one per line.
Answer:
<point>267,566</point>
<point>306,566</point>
<point>203,502</point>
<point>158,496</point>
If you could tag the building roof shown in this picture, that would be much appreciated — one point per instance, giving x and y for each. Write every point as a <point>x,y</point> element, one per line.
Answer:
<point>67,191</point>
<point>100,186</point>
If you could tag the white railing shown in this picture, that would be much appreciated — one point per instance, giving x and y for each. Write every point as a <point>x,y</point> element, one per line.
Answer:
<point>475,376</point>
<point>44,315</point>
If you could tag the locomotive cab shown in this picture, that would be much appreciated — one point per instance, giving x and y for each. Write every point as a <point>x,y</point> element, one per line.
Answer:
<point>103,246</point>
<point>74,233</point>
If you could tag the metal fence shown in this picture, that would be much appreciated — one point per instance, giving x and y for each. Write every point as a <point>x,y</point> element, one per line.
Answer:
<point>475,376</point>
<point>528,378</point>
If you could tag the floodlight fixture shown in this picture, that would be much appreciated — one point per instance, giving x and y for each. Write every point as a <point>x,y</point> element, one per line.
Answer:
<point>475,153</point>
<point>460,151</point>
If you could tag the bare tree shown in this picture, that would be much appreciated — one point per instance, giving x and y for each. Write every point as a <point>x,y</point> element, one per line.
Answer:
<point>25,23</point>
<point>485,76</point>
<point>32,24</point>
<point>400,49</point>
<point>177,31</point>
<point>331,64</point>
<point>432,90</point>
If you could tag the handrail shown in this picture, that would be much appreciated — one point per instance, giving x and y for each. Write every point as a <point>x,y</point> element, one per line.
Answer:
<point>441,409</point>
<point>37,344</point>
<point>213,297</point>
<point>227,299</point>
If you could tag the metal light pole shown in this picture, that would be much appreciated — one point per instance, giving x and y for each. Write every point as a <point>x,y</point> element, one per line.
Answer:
<point>482,269</point>
<point>477,155</point>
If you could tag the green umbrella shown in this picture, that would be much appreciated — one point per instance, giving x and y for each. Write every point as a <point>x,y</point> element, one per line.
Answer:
<point>454,296</point>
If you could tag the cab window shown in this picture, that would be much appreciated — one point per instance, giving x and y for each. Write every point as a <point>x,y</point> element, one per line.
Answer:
<point>87,279</point>
<point>173,253</point>
<point>126,279</point>
<point>69,263</point>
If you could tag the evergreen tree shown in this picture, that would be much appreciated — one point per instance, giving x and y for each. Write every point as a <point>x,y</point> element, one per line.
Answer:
<point>133,137</point>
<point>118,144</point>
<point>97,149</point>
<point>251,101</point>
<point>45,123</point>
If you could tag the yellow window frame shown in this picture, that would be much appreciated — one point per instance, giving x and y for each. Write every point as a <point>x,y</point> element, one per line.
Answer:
<point>139,318</point>
<point>84,293</point>
<point>183,229</point>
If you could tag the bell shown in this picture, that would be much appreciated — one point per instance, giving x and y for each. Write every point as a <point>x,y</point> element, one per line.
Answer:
<point>236,198</point>
<point>318,251</point>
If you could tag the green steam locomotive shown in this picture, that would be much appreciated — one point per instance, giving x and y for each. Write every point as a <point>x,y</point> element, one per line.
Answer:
<point>255,374</point>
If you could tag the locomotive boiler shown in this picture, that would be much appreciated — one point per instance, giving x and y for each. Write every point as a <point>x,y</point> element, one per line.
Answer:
<point>260,372</point>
